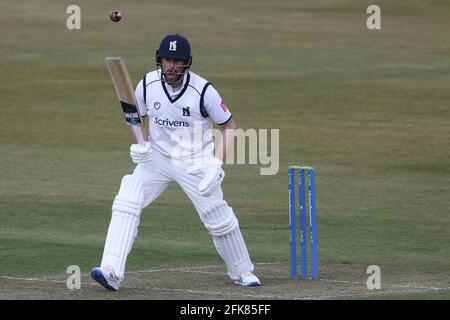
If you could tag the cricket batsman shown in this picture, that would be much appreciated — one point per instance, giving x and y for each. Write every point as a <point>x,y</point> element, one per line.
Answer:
<point>179,108</point>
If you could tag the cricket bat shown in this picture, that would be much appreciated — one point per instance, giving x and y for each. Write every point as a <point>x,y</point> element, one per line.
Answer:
<point>125,92</point>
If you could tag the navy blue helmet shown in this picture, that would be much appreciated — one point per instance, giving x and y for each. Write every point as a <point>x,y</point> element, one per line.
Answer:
<point>174,46</point>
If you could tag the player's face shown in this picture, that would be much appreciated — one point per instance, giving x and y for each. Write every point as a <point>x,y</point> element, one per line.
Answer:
<point>173,70</point>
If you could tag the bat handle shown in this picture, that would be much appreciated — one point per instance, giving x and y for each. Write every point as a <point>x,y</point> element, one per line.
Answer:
<point>138,134</point>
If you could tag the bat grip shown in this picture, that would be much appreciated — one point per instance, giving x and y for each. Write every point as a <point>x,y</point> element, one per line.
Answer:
<point>138,134</point>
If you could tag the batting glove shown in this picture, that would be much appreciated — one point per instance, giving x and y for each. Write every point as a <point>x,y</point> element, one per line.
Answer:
<point>212,174</point>
<point>141,153</point>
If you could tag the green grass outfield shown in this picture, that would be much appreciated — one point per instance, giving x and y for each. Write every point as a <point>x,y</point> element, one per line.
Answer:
<point>368,109</point>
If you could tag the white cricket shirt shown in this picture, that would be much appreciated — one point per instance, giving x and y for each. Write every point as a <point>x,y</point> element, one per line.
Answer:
<point>180,121</point>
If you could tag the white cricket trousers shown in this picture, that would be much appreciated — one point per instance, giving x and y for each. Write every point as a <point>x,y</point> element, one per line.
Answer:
<point>154,177</point>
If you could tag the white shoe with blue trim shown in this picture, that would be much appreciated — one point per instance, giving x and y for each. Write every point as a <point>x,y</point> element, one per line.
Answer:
<point>106,277</point>
<point>248,279</point>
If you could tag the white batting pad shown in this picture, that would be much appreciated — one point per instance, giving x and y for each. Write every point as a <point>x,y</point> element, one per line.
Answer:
<point>223,226</point>
<point>122,229</point>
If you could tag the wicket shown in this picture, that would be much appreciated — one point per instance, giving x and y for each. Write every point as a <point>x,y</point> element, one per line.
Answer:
<point>302,170</point>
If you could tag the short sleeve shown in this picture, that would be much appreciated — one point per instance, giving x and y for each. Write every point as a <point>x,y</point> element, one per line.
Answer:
<point>216,107</point>
<point>139,93</point>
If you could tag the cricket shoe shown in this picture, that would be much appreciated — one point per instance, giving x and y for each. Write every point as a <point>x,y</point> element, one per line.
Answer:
<point>248,279</point>
<point>106,277</point>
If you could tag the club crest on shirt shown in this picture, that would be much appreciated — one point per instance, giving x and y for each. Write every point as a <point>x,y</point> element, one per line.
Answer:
<point>186,112</point>
<point>157,105</point>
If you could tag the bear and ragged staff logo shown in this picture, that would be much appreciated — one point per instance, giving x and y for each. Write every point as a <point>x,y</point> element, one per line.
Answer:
<point>173,45</point>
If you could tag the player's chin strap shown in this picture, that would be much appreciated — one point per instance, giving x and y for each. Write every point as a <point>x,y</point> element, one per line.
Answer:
<point>161,74</point>
<point>223,226</point>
